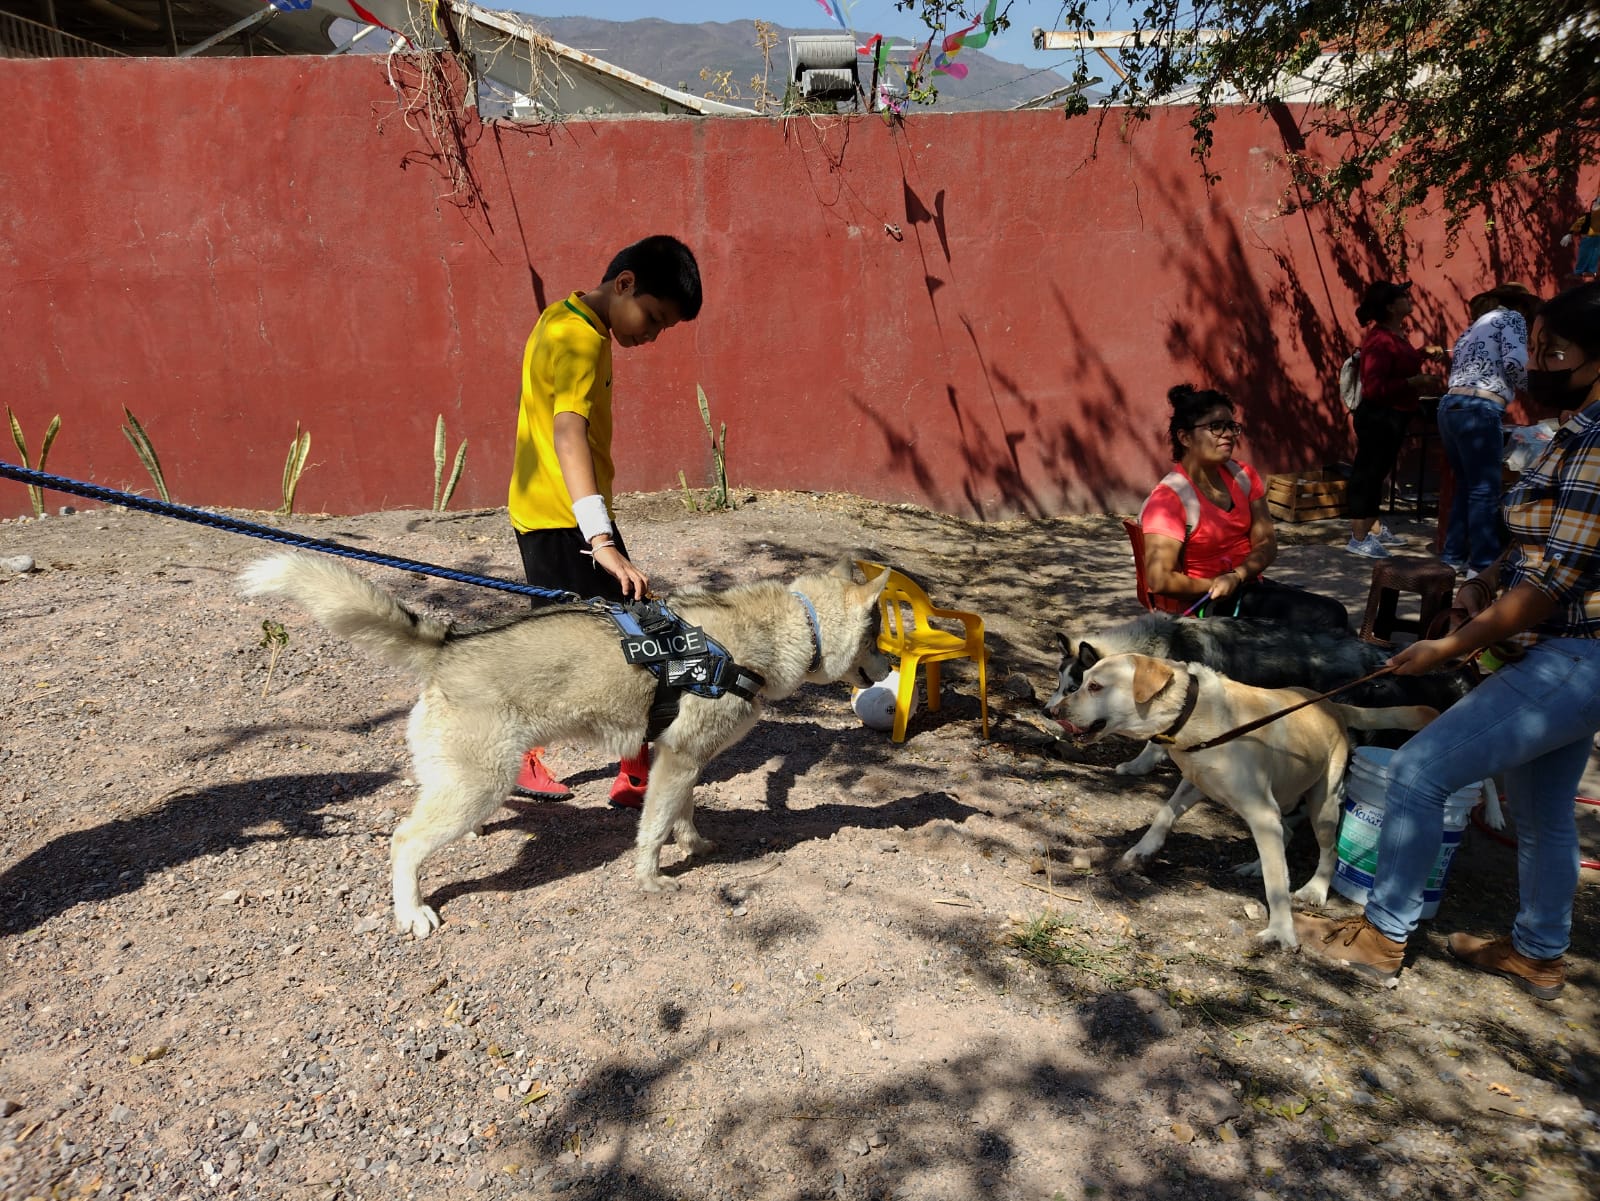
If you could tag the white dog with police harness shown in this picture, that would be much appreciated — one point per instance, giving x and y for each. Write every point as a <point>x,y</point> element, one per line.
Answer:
<point>561,674</point>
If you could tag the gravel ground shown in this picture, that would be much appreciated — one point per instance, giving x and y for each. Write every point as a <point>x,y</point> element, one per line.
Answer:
<point>907,973</point>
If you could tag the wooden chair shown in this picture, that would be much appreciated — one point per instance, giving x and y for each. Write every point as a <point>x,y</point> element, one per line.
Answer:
<point>908,633</point>
<point>1431,581</point>
<point>1141,586</point>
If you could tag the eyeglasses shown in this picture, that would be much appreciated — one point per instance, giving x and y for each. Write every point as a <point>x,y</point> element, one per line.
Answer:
<point>1217,428</point>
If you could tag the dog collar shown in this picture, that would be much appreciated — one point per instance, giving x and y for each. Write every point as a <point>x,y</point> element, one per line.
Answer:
<point>816,629</point>
<point>1191,697</point>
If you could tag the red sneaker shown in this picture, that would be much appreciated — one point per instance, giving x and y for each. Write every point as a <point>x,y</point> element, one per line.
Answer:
<point>535,780</point>
<point>633,778</point>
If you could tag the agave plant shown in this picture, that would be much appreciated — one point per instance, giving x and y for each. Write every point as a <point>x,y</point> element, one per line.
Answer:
<point>293,467</point>
<point>441,500</point>
<point>145,449</point>
<point>35,493</point>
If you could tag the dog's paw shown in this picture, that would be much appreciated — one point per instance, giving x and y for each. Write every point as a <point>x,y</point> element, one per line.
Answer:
<point>1273,936</point>
<point>696,844</point>
<point>1131,861</point>
<point>1494,817</point>
<point>1313,892</point>
<point>421,921</point>
<point>1249,871</point>
<point>658,883</point>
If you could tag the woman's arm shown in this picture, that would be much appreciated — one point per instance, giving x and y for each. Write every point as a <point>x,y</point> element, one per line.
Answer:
<point>1161,571</point>
<point>1263,539</point>
<point>1519,610</point>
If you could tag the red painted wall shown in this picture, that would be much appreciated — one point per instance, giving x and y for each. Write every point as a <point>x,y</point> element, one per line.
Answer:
<point>965,311</point>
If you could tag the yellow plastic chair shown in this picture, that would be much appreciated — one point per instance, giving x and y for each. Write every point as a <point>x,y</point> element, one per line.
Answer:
<point>919,641</point>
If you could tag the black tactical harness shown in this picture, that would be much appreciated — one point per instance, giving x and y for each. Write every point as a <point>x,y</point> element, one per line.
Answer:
<point>680,656</point>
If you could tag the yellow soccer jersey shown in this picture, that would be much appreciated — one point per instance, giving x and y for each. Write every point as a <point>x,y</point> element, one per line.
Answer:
<point>566,368</point>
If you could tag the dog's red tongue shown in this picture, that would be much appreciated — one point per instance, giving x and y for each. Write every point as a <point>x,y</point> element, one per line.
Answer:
<point>1068,726</point>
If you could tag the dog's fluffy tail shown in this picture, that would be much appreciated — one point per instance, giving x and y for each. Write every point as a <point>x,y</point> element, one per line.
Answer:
<point>349,605</point>
<point>1399,717</point>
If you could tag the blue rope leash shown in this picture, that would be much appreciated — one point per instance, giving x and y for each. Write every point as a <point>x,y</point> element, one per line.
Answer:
<point>233,525</point>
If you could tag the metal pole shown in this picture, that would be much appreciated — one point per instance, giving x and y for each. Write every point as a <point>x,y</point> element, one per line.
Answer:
<point>260,17</point>
<point>172,27</point>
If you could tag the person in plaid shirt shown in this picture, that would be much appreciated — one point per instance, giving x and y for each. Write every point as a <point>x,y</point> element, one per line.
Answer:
<point>1534,719</point>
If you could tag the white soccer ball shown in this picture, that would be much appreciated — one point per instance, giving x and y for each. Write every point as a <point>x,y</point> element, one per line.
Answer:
<point>875,705</point>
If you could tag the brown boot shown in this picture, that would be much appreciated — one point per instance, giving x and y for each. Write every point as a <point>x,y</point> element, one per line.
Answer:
<point>1355,942</point>
<point>1544,978</point>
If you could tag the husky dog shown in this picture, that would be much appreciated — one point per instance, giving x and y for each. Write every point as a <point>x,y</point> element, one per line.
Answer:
<point>558,674</point>
<point>1261,775</point>
<point>1266,654</point>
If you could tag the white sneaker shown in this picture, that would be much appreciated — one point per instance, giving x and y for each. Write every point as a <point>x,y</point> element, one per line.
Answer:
<point>1388,537</point>
<point>1368,547</point>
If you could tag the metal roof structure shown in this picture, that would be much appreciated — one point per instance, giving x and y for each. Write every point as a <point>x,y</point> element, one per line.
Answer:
<point>1318,82</point>
<point>528,73</point>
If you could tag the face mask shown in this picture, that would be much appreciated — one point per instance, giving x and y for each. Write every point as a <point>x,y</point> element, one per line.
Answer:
<point>1554,389</point>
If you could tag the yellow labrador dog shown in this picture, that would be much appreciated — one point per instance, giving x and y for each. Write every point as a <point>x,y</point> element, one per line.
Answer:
<point>559,674</point>
<point>1260,775</point>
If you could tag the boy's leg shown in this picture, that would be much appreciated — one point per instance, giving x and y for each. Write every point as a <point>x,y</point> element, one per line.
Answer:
<point>633,779</point>
<point>555,559</point>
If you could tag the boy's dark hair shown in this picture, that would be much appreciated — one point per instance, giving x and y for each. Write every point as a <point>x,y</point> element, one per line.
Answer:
<point>1189,404</point>
<point>662,267</point>
<point>1575,316</point>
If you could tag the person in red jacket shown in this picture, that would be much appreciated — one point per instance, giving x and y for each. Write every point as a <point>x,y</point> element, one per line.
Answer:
<point>1392,383</point>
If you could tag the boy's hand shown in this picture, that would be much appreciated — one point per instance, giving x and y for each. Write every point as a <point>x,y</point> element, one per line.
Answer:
<point>635,584</point>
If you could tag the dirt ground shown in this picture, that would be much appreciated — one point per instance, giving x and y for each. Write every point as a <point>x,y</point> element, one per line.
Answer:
<point>908,973</point>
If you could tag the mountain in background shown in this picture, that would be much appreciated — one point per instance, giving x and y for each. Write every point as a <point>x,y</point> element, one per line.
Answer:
<point>674,55</point>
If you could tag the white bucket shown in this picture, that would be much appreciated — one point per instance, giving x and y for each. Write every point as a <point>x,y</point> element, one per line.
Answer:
<point>1364,790</point>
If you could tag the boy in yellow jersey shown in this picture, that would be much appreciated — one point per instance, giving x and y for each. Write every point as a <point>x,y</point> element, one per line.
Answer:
<point>561,481</point>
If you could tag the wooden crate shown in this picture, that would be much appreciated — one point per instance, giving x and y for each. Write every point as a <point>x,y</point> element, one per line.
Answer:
<point>1306,495</point>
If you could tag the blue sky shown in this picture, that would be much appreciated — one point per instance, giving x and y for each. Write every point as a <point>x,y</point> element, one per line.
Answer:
<point>867,16</point>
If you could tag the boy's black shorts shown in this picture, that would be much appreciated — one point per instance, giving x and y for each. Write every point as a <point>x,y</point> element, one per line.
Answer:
<point>555,559</point>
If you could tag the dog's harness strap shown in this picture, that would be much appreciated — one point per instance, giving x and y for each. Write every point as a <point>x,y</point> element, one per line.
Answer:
<point>1240,731</point>
<point>1191,698</point>
<point>816,629</point>
<point>682,657</point>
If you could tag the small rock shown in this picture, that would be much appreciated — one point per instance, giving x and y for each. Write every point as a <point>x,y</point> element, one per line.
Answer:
<point>68,510</point>
<point>1183,1132</point>
<point>366,925</point>
<point>19,564</point>
<point>1253,912</point>
<point>8,1107</point>
<point>120,1113</point>
<point>266,1154</point>
<point>231,897</point>
<point>1018,686</point>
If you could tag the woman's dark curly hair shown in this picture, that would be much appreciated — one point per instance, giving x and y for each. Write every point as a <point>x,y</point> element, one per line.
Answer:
<point>1189,404</point>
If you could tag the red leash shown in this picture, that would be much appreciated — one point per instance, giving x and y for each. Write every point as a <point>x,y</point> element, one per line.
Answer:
<point>1505,841</point>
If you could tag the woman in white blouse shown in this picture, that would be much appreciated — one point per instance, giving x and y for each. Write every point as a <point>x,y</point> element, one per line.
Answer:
<point>1488,366</point>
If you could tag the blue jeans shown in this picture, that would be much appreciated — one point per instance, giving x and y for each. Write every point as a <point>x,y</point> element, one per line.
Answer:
<point>1470,431</point>
<point>1532,722</point>
<point>1588,255</point>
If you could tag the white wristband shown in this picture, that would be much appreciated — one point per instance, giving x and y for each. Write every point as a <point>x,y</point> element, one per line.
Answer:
<point>592,516</point>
